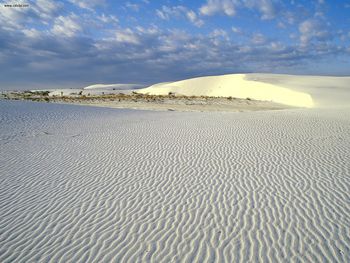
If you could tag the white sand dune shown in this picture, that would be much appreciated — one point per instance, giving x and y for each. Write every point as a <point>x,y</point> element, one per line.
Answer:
<point>85,184</point>
<point>291,90</point>
<point>325,91</point>
<point>64,92</point>
<point>97,89</point>
<point>301,91</point>
<point>113,86</point>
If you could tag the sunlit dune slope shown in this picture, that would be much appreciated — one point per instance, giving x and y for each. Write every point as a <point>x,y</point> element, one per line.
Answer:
<point>300,91</point>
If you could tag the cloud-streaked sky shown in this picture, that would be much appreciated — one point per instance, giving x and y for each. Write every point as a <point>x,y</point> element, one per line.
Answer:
<point>74,43</point>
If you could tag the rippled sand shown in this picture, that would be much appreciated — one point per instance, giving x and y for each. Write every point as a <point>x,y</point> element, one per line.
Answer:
<point>85,184</point>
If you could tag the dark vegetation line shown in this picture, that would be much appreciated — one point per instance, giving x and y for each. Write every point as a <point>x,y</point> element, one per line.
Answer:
<point>79,97</point>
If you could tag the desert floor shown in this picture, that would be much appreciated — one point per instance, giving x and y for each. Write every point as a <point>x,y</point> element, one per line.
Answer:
<point>89,184</point>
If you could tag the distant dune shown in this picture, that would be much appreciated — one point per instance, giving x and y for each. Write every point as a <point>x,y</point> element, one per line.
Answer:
<point>291,90</point>
<point>301,91</point>
<point>113,86</point>
<point>98,89</point>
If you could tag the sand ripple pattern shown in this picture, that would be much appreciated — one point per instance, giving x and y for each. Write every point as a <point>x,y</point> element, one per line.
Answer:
<point>84,184</point>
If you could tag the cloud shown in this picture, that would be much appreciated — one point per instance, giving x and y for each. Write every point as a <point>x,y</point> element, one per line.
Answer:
<point>219,33</point>
<point>236,30</point>
<point>32,33</point>
<point>67,26</point>
<point>172,41</point>
<point>167,13</point>
<point>193,18</point>
<point>40,11</point>
<point>47,8</point>
<point>89,5</point>
<point>267,8</point>
<point>313,30</point>
<point>212,7</point>
<point>143,54</point>
<point>258,39</point>
<point>108,19</point>
<point>54,45</point>
<point>132,6</point>
<point>126,36</point>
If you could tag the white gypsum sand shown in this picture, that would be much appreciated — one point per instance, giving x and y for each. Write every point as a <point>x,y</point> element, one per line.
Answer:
<point>272,90</point>
<point>175,103</point>
<point>113,86</point>
<point>97,89</point>
<point>292,90</point>
<point>85,184</point>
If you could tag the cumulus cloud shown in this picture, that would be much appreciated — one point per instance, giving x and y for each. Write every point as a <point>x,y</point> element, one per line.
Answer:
<point>108,19</point>
<point>313,29</point>
<point>47,8</point>
<point>47,45</point>
<point>167,13</point>
<point>236,30</point>
<point>132,6</point>
<point>41,10</point>
<point>212,7</point>
<point>172,41</point>
<point>66,26</point>
<point>267,8</point>
<point>126,36</point>
<point>151,55</point>
<point>11,18</point>
<point>31,33</point>
<point>89,5</point>
<point>219,33</point>
<point>193,18</point>
<point>258,39</point>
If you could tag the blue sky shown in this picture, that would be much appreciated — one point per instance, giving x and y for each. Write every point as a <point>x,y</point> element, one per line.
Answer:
<point>73,43</point>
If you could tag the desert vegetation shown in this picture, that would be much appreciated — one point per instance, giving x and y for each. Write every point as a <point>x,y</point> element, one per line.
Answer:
<point>118,97</point>
<point>136,100</point>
